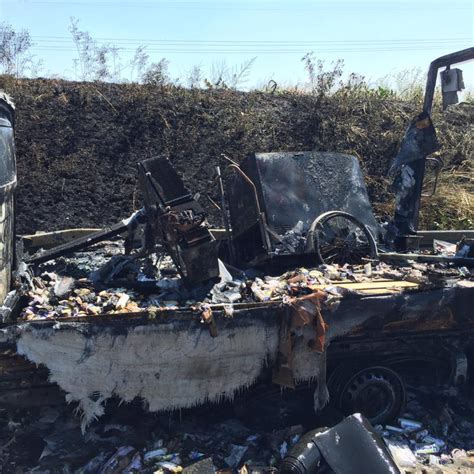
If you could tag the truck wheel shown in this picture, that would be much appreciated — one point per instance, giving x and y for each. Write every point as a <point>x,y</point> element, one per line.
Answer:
<point>377,392</point>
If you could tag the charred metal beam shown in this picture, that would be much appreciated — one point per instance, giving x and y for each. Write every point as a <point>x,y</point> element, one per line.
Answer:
<point>461,261</point>
<point>80,243</point>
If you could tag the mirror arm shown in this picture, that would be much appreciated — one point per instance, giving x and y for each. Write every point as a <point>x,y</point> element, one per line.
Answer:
<point>443,61</point>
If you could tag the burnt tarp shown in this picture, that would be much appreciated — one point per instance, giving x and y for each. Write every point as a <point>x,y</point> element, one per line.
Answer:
<point>170,359</point>
<point>293,188</point>
<point>7,188</point>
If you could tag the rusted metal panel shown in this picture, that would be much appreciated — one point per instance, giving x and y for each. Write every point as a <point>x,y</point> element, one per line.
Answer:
<point>411,312</point>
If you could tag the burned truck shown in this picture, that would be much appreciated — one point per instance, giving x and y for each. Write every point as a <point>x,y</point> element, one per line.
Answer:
<point>302,285</point>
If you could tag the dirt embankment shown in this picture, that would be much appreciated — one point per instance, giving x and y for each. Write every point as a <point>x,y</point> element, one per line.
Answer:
<point>78,143</point>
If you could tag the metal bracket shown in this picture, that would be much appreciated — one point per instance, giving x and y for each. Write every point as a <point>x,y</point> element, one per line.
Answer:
<point>461,364</point>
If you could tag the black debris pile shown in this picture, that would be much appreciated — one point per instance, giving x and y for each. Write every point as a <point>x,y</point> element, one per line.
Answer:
<point>435,432</point>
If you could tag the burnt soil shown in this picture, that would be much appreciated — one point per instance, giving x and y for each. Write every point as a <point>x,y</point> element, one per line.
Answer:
<point>78,143</point>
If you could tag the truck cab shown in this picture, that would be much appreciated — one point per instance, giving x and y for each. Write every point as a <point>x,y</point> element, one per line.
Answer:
<point>7,194</point>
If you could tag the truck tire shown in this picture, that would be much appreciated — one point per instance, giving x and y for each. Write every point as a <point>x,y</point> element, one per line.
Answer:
<point>377,392</point>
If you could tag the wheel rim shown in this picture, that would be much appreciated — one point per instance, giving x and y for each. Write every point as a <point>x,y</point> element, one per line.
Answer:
<point>338,237</point>
<point>340,240</point>
<point>376,392</point>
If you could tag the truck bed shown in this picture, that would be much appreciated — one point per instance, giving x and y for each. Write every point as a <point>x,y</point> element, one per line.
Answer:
<point>175,358</point>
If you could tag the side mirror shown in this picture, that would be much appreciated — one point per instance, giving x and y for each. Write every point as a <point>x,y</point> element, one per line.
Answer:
<point>430,181</point>
<point>451,83</point>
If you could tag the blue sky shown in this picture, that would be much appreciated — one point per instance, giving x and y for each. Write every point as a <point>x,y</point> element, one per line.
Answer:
<point>376,38</point>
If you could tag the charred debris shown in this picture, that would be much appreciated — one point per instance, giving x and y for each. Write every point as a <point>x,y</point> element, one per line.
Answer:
<point>271,248</point>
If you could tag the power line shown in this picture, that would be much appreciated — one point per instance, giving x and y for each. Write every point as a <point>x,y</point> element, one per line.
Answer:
<point>64,44</point>
<point>66,39</point>
<point>253,51</point>
<point>279,48</point>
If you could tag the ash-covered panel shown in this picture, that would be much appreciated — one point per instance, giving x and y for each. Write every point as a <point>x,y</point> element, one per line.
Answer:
<point>299,186</point>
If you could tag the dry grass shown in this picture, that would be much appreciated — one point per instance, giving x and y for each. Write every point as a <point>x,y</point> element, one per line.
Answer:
<point>452,207</point>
